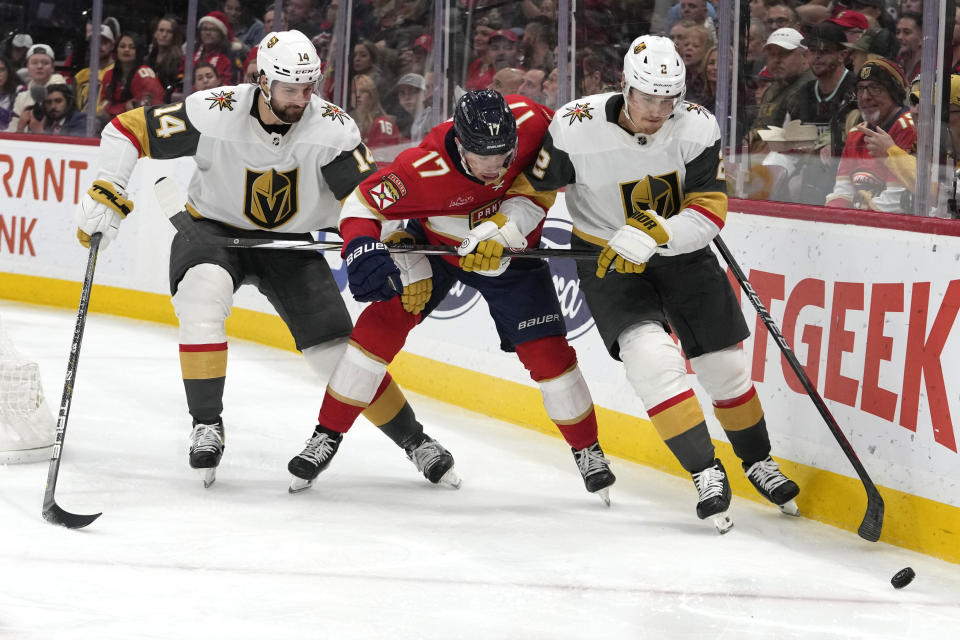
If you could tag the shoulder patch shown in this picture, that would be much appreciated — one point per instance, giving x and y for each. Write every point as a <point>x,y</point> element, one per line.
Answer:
<point>387,191</point>
<point>223,99</point>
<point>578,112</point>
<point>334,112</point>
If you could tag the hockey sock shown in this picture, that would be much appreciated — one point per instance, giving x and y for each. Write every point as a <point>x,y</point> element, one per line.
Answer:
<point>681,424</point>
<point>338,413</point>
<point>743,421</point>
<point>204,369</point>
<point>393,415</point>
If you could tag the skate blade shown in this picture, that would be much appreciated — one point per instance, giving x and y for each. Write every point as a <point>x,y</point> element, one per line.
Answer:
<point>603,494</point>
<point>299,484</point>
<point>209,476</point>
<point>722,522</point>
<point>790,508</point>
<point>450,479</point>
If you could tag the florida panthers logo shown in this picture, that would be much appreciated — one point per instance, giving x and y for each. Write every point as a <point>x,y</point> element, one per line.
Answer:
<point>270,197</point>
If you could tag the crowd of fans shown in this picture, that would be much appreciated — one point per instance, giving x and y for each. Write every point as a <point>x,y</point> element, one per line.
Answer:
<point>808,74</point>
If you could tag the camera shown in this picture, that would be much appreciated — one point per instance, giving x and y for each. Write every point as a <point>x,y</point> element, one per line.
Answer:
<point>39,113</point>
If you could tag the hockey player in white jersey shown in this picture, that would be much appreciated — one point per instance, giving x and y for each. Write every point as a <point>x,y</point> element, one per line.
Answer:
<point>645,187</point>
<point>271,157</point>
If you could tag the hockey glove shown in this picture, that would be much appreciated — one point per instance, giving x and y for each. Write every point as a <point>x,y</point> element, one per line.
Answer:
<point>415,273</point>
<point>371,272</point>
<point>633,244</point>
<point>101,210</point>
<point>482,248</point>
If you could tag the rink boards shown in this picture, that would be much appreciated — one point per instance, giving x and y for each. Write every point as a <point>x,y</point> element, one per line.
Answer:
<point>868,305</point>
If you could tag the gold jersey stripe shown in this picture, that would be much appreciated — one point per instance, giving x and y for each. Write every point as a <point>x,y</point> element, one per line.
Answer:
<point>203,365</point>
<point>740,417</point>
<point>583,235</point>
<point>135,122</point>
<point>678,419</point>
<point>521,186</point>
<point>576,420</point>
<point>713,201</point>
<point>368,354</point>
<point>345,399</point>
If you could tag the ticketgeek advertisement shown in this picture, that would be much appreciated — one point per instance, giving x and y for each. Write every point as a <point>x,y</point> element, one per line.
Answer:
<point>870,313</point>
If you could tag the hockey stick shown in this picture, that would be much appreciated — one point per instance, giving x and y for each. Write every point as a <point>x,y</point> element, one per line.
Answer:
<point>873,518</point>
<point>52,512</point>
<point>171,203</point>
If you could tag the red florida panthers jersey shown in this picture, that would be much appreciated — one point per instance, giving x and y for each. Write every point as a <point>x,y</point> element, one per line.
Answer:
<point>428,182</point>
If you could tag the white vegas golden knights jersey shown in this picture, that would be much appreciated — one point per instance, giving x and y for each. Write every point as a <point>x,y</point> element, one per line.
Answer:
<point>246,177</point>
<point>610,174</point>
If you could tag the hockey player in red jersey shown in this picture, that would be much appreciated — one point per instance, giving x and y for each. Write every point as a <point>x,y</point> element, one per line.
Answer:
<point>453,186</point>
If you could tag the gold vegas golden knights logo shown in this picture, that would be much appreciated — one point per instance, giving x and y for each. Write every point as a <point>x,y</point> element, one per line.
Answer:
<point>660,193</point>
<point>270,197</point>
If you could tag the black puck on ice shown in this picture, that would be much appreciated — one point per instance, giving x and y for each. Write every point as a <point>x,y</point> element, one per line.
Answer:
<point>902,578</point>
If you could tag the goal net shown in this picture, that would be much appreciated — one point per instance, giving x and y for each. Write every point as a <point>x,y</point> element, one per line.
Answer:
<point>27,427</point>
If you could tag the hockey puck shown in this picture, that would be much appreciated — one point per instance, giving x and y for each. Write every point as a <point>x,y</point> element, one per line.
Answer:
<point>902,578</point>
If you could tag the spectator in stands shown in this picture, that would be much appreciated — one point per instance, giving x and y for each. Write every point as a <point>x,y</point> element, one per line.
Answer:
<point>852,22</point>
<point>507,80</point>
<point>781,16</point>
<point>9,87</point>
<point>780,176</point>
<point>875,14</point>
<point>876,42</point>
<point>532,86</point>
<point>503,48</point>
<point>205,77</point>
<point>301,15</point>
<point>756,38</point>
<point>863,181</point>
<point>165,55</point>
<point>109,32</point>
<point>377,128</point>
<point>268,25</point>
<point>17,55</point>
<point>678,32</point>
<point>365,61</point>
<point>592,78</point>
<point>61,117</point>
<point>955,51</point>
<point>422,45</point>
<point>911,6</point>
<point>910,38</point>
<point>707,74</point>
<point>788,66</point>
<point>130,84</point>
<point>698,41</point>
<point>40,68</point>
<point>533,9</point>
<point>411,89</point>
<point>538,44</point>
<point>247,29</point>
<point>216,46</point>
<point>480,72</point>
<point>699,11</point>
<point>901,163</point>
<point>550,89</point>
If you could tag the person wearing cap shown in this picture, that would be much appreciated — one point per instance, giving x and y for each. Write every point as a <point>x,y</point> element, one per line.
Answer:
<point>787,64</point>
<point>864,182</point>
<point>873,11</point>
<point>502,46</point>
<point>852,22</point>
<point>411,91</point>
<point>40,67</point>
<point>18,55</point>
<point>829,96</point>
<point>881,145</point>
<point>218,47</point>
<point>876,42</point>
<point>108,39</point>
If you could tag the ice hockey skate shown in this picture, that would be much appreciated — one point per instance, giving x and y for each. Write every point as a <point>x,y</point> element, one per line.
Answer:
<point>595,469</point>
<point>434,462</point>
<point>770,482</point>
<point>206,449</point>
<point>315,457</point>
<point>714,491</point>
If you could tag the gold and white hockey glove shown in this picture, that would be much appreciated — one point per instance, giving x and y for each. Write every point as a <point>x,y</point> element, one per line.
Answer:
<point>633,244</point>
<point>482,248</point>
<point>415,273</point>
<point>101,210</point>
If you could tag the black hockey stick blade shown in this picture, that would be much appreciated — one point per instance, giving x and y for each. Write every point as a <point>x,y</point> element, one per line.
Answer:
<point>52,512</point>
<point>55,514</point>
<point>872,523</point>
<point>172,204</point>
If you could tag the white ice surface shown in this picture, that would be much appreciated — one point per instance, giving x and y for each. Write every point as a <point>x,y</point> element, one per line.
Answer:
<point>373,550</point>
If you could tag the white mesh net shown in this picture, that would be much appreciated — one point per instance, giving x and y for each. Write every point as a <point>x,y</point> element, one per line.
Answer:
<point>27,427</point>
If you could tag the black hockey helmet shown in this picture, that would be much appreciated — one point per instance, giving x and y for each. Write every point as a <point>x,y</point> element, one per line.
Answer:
<point>484,123</point>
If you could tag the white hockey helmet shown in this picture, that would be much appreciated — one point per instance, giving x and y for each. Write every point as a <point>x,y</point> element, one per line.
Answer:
<point>653,66</point>
<point>288,56</point>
